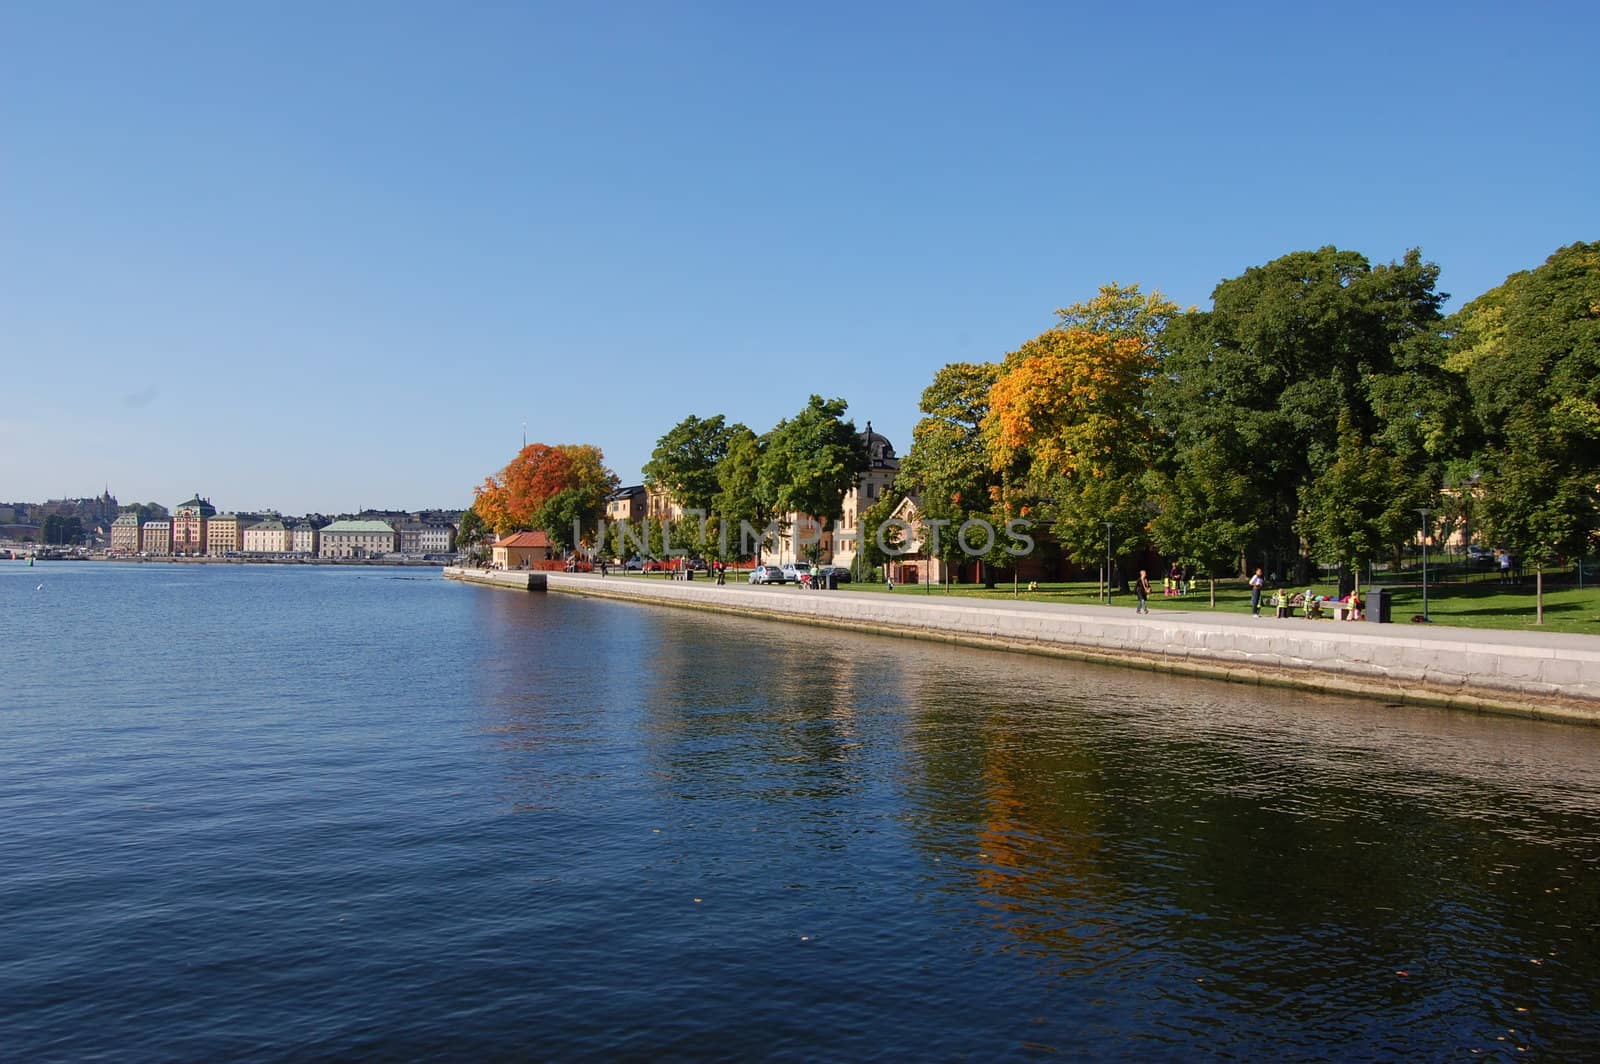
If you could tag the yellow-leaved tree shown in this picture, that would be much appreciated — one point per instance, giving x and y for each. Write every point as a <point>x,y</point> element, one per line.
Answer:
<point>1069,407</point>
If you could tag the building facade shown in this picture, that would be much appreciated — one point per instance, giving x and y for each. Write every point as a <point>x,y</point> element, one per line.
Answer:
<point>304,538</point>
<point>358,539</point>
<point>155,537</point>
<point>125,534</point>
<point>267,537</point>
<point>878,480</point>
<point>224,534</point>
<point>418,537</point>
<point>520,550</point>
<point>189,522</point>
<point>660,505</point>
<point>626,505</point>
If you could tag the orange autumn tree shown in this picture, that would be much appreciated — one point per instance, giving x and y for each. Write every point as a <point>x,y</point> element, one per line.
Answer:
<point>514,498</point>
<point>1069,408</point>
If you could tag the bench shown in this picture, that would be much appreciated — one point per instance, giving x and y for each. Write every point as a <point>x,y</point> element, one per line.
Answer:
<point>1323,607</point>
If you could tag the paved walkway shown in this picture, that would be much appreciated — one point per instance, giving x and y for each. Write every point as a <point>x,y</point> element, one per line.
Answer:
<point>1198,614</point>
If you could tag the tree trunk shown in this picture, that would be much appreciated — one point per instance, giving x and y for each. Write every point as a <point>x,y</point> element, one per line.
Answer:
<point>1347,580</point>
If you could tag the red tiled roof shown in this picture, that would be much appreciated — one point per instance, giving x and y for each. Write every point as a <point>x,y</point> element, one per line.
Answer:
<point>524,539</point>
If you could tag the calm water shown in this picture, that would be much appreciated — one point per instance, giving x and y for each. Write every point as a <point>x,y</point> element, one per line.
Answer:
<point>274,813</point>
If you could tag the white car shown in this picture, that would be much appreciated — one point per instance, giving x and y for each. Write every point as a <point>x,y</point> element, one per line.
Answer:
<point>795,570</point>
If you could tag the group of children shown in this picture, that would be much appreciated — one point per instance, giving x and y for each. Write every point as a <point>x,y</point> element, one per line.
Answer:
<point>1284,603</point>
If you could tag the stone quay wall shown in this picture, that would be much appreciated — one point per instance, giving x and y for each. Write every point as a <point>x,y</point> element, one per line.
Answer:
<point>1552,676</point>
<point>515,579</point>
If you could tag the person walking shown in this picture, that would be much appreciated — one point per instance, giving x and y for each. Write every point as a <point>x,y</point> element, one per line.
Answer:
<point>1142,589</point>
<point>1256,584</point>
<point>888,577</point>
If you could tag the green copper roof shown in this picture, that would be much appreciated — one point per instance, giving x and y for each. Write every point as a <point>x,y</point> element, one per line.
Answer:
<point>360,526</point>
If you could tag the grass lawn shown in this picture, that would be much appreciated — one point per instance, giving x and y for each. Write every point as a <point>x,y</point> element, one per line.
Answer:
<point>1486,604</point>
<point>1473,604</point>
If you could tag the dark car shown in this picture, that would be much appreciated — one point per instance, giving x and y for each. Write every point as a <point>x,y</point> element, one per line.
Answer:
<point>837,573</point>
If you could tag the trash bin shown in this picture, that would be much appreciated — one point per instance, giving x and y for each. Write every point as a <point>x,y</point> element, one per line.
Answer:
<point>833,580</point>
<point>1378,604</point>
<point>688,572</point>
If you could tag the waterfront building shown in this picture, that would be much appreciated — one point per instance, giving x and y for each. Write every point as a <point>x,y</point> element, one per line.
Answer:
<point>304,538</point>
<point>267,537</point>
<point>189,525</point>
<point>125,534</point>
<point>521,549</point>
<point>155,537</point>
<point>224,534</point>
<point>420,537</point>
<point>358,539</point>
<point>626,505</point>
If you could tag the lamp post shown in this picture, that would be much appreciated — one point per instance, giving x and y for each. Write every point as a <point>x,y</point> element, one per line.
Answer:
<point>1423,510</point>
<point>1108,563</point>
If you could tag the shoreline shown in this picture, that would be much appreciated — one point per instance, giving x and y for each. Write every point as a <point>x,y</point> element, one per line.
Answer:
<point>1544,676</point>
<point>168,559</point>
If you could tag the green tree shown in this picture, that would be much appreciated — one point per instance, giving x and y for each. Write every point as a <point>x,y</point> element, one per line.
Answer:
<point>1363,504</point>
<point>869,554</point>
<point>949,469</point>
<point>685,460</point>
<point>739,502</point>
<point>1204,506</point>
<point>1290,348</point>
<point>1124,312</point>
<point>811,460</point>
<point>559,513</point>
<point>1530,352</point>
<point>471,533</point>
<point>948,461</point>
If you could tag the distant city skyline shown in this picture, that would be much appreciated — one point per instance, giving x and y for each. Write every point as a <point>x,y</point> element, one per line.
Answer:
<point>316,260</point>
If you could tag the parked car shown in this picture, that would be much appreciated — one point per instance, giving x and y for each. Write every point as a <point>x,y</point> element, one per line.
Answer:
<point>634,565</point>
<point>839,573</point>
<point>767,574</point>
<point>1479,555</point>
<point>795,570</point>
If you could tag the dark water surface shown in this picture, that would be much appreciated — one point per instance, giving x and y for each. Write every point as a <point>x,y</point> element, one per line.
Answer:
<point>277,813</point>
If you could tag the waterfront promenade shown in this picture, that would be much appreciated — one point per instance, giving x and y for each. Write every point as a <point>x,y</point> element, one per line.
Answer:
<point>1546,675</point>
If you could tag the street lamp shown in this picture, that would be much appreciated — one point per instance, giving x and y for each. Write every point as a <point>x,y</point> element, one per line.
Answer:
<point>1423,510</point>
<point>1108,563</point>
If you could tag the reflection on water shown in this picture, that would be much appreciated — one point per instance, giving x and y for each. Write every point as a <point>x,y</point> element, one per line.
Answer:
<point>610,830</point>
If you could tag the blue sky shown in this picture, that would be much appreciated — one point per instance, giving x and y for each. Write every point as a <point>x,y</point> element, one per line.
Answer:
<point>327,256</point>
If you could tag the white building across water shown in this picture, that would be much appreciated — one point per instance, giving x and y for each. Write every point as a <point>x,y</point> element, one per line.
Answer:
<point>358,539</point>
